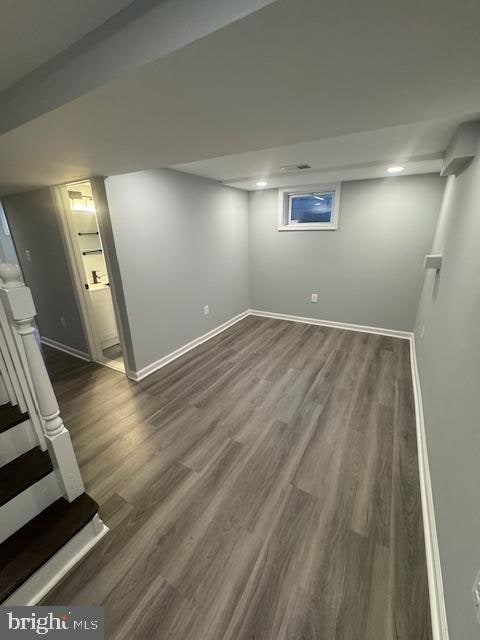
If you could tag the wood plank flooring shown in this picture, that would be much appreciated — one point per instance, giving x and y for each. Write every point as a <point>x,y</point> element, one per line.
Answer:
<point>262,487</point>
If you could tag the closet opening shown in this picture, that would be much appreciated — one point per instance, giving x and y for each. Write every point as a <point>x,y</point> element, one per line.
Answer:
<point>90,270</point>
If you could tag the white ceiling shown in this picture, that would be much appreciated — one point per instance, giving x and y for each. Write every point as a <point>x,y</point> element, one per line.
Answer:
<point>34,31</point>
<point>295,71</point>
<point>417,147</point>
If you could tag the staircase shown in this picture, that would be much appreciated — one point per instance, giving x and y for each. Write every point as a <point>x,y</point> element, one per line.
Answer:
<point>47,521</point>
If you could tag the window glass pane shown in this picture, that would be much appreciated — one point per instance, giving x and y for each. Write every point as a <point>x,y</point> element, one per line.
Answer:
<point>311,207</point>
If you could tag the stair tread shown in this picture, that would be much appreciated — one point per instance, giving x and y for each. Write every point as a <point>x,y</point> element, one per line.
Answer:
<point>21,473</point>
<point>10,416</point>
<point>35,543</point>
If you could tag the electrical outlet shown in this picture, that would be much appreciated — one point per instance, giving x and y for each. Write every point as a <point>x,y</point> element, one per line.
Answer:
<point>314,297</point>
<point>422,332</point>
<point>206,310</point>
<point>28,255</point>
<point>63,322</point>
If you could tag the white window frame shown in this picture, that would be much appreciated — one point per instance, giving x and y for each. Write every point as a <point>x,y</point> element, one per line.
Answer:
<point>284,207</point>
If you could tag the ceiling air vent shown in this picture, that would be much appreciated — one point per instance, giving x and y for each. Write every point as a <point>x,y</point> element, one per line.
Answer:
<point>296,167</point>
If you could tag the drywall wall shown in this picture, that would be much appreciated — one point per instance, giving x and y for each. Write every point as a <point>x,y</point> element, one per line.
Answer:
<point>181,243</point>
<point>34,227</point>
<point>449,368</point>
<point>368,272</point>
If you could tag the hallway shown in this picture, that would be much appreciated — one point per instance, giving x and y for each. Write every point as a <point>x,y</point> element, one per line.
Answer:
<point>264,485</point>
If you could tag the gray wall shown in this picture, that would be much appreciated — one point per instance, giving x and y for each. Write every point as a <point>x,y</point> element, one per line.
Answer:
<point>449,366</point>
<point>368,272</point>
<point>182,243</point>
<point>33,225</point>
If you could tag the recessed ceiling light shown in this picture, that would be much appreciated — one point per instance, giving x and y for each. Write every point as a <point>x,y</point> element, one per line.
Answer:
<point>395,169</point>
<point>262,183</point>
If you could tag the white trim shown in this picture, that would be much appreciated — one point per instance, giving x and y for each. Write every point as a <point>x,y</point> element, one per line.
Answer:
<point>406,335</point>
<point>50,574</point>
<point>434,568</point>
<point>65,348</point>
<point>75,262</point>
<point>106,234</point>
<point>284,204</point>
<point>158,364</point>
<point>3,218</point>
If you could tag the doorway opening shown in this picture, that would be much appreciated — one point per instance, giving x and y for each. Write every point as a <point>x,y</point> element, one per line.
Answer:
<point>91,273</point>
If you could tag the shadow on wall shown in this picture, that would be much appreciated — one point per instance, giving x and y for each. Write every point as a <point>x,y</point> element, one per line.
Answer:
<point>436,284</point>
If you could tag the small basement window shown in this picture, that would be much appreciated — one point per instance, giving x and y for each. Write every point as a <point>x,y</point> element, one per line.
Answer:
<point>309,208</point>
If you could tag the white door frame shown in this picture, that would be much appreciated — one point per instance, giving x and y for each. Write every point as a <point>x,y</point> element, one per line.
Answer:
<point>77,271</point>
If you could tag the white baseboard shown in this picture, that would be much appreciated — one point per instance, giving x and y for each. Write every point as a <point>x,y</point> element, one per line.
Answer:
<point>65,348</point>
<point>158,364</point>
<point>434,568</point>
<point>406,335</point>
<point>50,574</point>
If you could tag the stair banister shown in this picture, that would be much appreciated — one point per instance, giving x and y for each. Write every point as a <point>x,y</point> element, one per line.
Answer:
<point>20,309</point>
<point>10,364</point>
<point>16,375</point>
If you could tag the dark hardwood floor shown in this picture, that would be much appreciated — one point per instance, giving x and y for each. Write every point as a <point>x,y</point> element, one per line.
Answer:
<point>262,487</point>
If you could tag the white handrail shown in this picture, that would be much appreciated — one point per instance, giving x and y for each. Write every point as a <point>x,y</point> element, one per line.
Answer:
<point>17,303</point>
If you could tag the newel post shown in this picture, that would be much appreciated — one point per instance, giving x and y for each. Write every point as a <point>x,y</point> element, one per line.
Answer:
<point>20,309</point>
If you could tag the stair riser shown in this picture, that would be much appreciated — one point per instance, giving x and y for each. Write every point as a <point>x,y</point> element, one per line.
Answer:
<point>28,504</point>
<point>50,574</point>
<point>16,441</point>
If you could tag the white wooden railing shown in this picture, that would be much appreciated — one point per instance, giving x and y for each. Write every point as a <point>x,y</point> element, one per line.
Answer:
<point>26,382</point>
